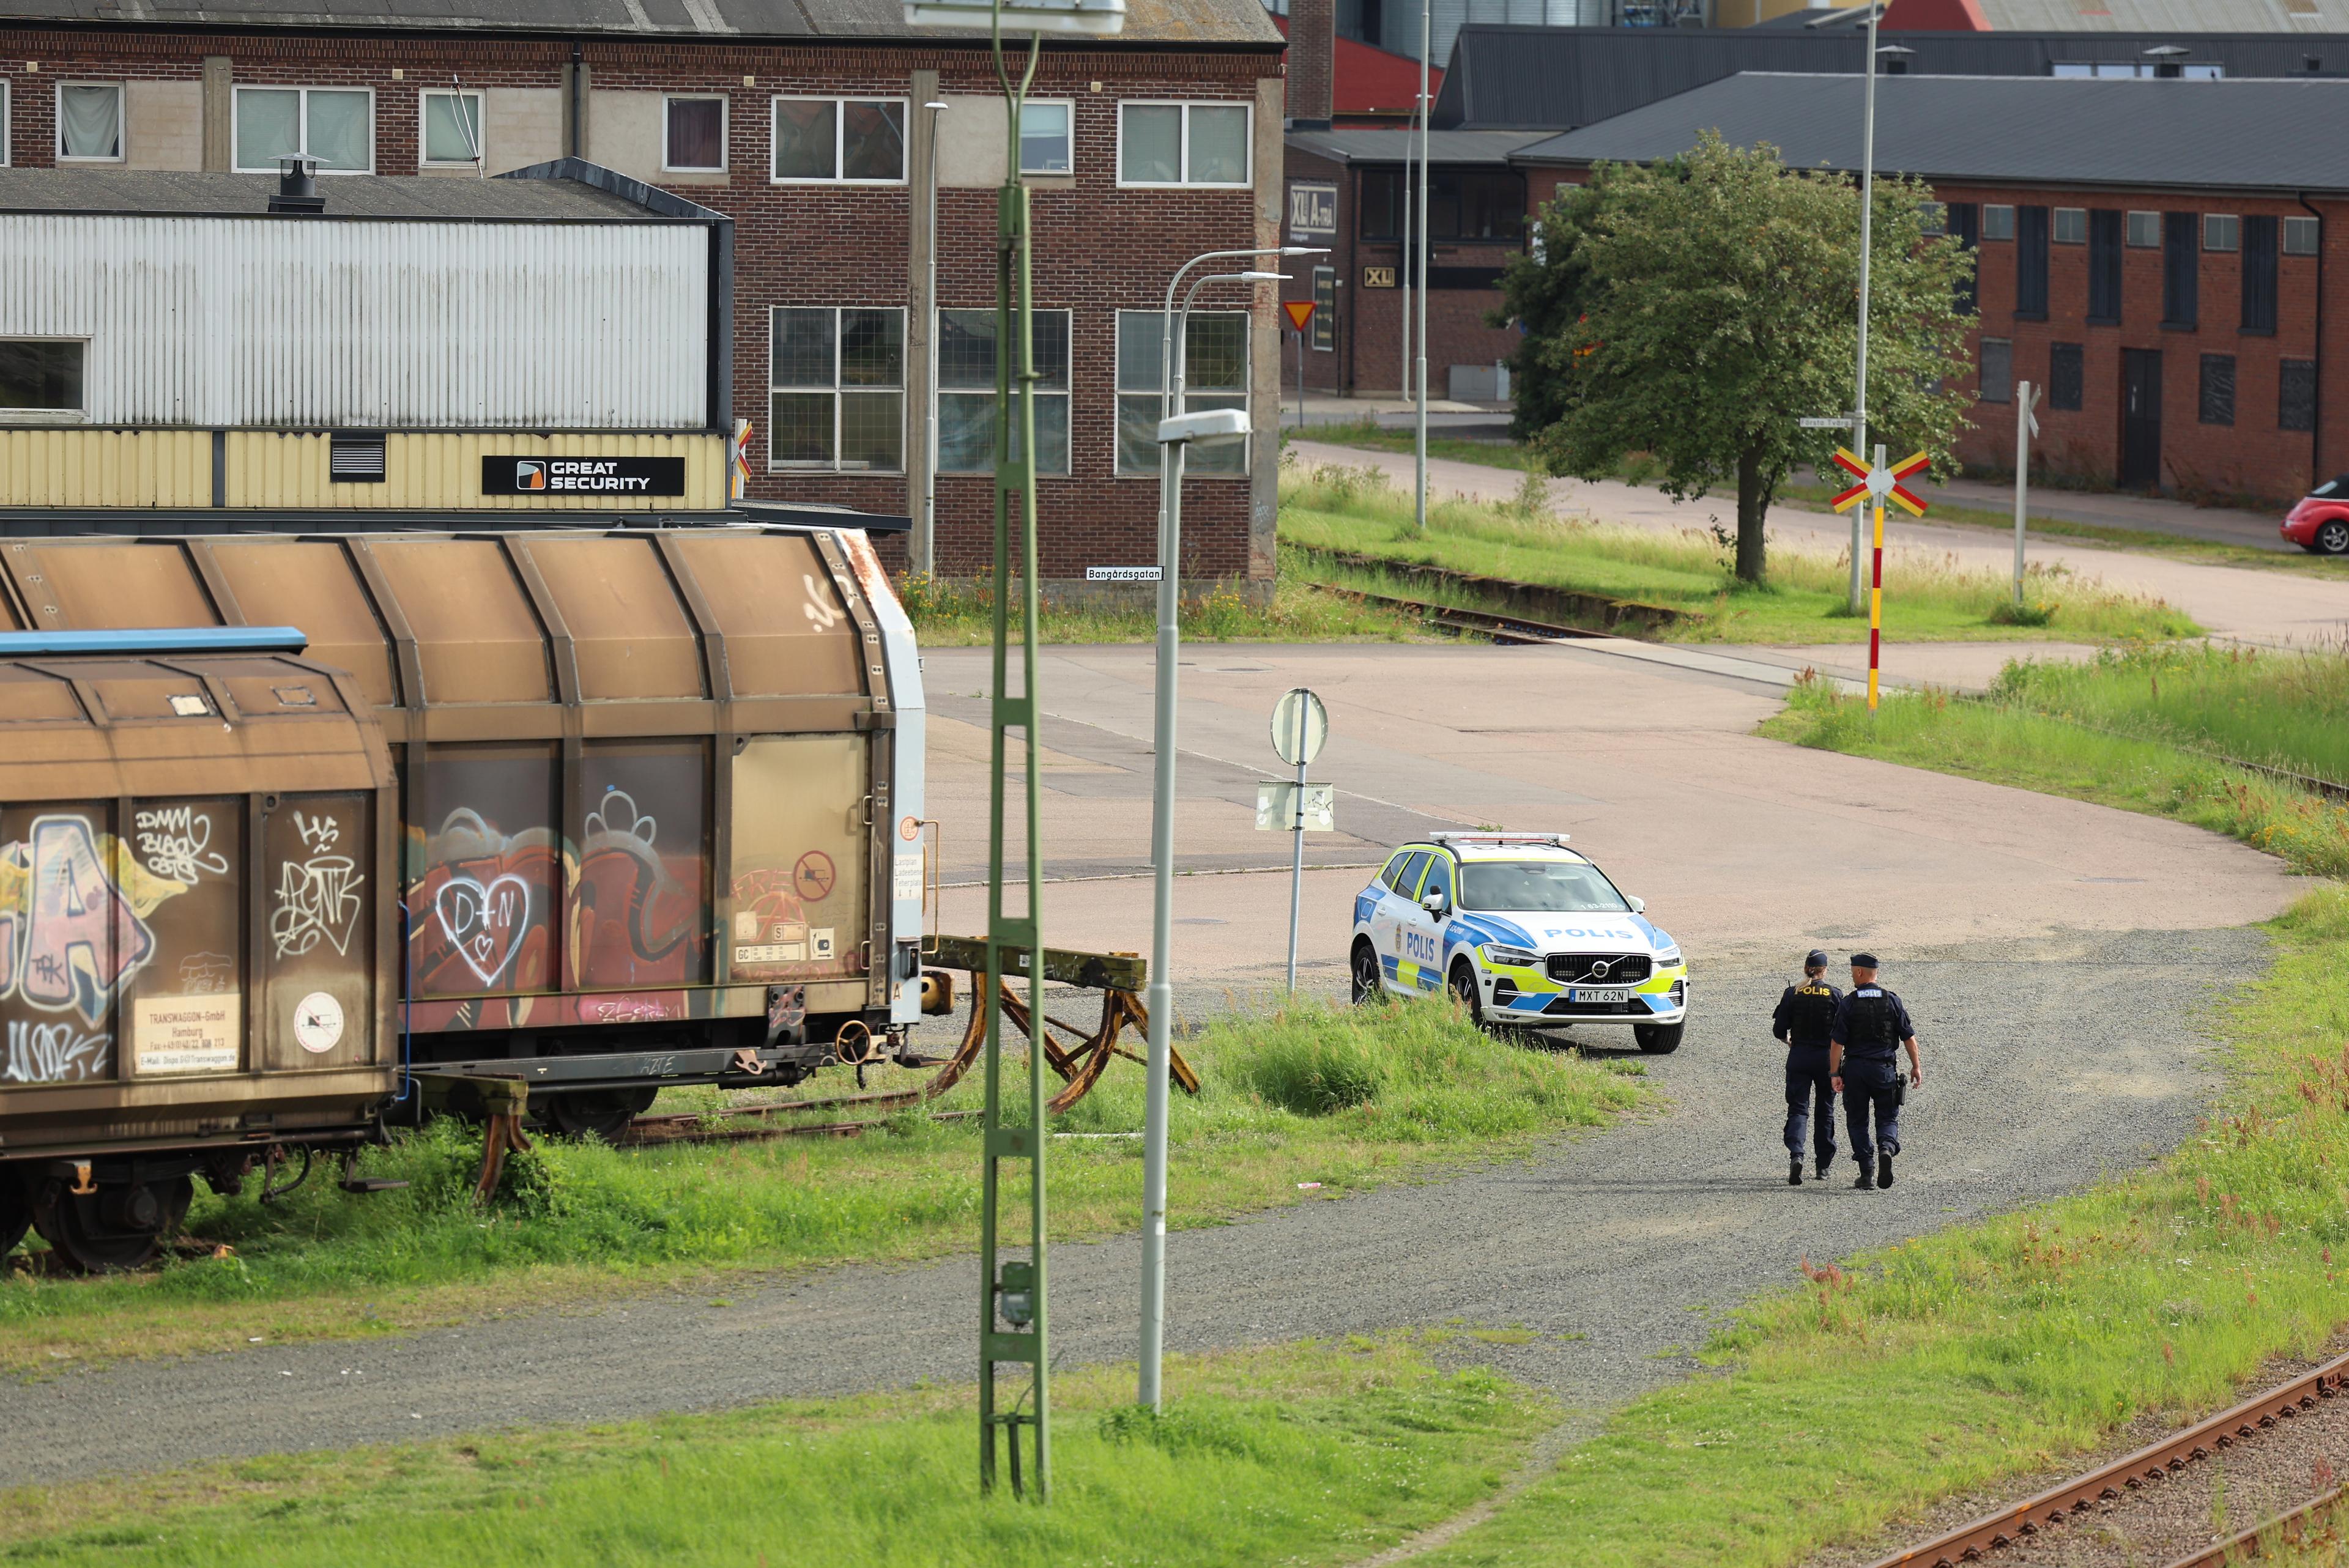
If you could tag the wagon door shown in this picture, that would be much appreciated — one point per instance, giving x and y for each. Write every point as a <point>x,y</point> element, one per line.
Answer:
<point>797,906</point>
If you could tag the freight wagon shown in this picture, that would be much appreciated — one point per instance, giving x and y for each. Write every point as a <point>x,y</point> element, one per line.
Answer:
<point>603,809</point>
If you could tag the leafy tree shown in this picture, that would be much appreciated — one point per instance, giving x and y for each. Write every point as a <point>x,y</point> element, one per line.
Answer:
<point>1694,310</point>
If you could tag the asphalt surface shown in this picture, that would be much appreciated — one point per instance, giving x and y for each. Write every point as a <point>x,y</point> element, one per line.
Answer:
<point>2049,1063</point>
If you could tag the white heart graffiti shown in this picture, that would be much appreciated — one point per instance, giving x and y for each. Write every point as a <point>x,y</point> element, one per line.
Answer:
<point>484,921</point>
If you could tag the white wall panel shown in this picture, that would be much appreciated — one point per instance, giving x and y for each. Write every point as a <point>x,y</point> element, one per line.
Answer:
<point>406,325</point>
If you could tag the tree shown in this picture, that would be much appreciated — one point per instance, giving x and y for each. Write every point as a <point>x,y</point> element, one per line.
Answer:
<point>1694,310</point>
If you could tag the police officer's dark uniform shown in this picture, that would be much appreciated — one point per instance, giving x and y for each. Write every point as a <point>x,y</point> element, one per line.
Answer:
<point>1803,1017</point>
<point>1870,1027</point>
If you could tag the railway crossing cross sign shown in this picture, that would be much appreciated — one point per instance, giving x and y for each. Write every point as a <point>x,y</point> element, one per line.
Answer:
<point>1878,481</point>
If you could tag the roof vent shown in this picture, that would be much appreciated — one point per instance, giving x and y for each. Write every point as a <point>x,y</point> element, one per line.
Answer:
<point>297,186</point>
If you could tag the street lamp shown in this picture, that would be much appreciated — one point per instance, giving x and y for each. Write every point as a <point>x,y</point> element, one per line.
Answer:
<point>924,551</point>
<point>1418,490</point>
<point>1867,229</point>
<point>1176,430</point>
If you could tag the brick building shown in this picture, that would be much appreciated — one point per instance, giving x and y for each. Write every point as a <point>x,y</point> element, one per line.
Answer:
<point>805,124</point>
<point>2160,256</point>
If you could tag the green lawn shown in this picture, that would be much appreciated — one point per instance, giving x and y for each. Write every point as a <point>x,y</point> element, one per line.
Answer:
<point>1311,1455</point>
<point>1809,497</point>
<point>1925,599</point>
<point>1340,1096</point>
<point>2011,742</point>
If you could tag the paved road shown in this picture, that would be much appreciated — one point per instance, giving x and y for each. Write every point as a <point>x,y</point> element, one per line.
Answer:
<point>2250,604</point>
<point>2056,956</point>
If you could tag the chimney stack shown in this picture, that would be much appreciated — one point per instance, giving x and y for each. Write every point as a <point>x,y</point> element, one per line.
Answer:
<point>1313,61</point>
<point>297,186</point>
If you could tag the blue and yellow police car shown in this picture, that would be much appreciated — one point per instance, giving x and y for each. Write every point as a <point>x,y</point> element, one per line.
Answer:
<point>1523,930</point>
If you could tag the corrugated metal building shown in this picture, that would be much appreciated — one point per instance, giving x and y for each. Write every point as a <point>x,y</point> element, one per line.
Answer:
<point>171,341</point>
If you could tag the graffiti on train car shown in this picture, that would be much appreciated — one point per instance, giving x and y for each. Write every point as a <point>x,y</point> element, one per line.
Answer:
<point>70,937</point>
<point>478,915</point>
<point>635,914</point>
<point>318,896</point>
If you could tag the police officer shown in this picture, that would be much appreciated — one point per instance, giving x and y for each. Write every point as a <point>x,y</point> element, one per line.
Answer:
<point>1804,1020</point>
<point>1870,1028</point>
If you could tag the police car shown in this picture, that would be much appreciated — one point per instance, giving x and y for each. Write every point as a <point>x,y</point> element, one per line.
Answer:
<point>1521,929</point>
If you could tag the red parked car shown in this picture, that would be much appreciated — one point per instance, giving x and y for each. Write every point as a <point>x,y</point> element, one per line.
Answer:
<point>2320,524</point>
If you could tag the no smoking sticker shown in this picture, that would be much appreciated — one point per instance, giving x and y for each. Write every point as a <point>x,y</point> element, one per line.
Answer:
<point>811,878</point>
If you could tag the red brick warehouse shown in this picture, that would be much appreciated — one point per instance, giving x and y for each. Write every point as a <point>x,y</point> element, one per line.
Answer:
<point>2152,253</point>
<point>807,125</point>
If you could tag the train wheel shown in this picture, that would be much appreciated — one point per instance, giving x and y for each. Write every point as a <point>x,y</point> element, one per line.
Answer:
<point>113,1228</point>
<point>597,1113</point>
<point>16,1212</point>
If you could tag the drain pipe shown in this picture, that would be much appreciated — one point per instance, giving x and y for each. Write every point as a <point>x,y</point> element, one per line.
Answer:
<point>2317,392</point>
<point>578,147</point>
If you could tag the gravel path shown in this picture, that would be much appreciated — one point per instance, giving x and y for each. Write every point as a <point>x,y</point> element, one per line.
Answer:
<point>2048,1062</point>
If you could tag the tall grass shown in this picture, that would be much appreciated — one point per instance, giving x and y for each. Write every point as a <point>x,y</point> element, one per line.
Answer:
<point>1927,595</point>
<point>578,1217</point>
<point>2284,709</point>
<point>1313,1455</point>
<point>2009,743</point>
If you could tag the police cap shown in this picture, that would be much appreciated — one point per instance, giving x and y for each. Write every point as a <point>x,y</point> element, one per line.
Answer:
<point>1865,961</point>
<point>1814,959</point>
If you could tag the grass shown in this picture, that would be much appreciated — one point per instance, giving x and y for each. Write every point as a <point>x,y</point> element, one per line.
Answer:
<point>1316,1454</point>
<point>1926,597</point>
<point>1957,1360</point>
<point>1814,496</point>
<point>955,613</point>
<point>1422,1088</point>
<point>2007,741</point>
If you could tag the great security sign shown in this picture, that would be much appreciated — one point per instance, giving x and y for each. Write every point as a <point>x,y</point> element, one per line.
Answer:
<point>582,476</point>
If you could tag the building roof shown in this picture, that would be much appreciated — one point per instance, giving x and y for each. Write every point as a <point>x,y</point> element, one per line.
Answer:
<point>1208,22</point>
<point>2223,135</point>
<point>140,190</point>
<point>1365,79</point>
<point>1371,144</point>
<point>1555,78</point>
<point>2130,16</point>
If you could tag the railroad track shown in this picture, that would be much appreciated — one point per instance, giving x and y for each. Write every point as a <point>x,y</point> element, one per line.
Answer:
<point>1986,1538</point>
<point>2288,1528</point>
<point>1515,630</point>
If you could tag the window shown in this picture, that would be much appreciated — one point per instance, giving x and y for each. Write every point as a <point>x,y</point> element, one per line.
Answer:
<point>2071,225</point>
<point>2181,268</point>
<point>42,374</point>
<point>1932,218</point>
<point>4,124</point>
<point>2194,71</point>
<point>2104,267</point>
<point>1182,144</point>
<point>693,134</point>
<point>850,141</point>
<point>1965,228</point>
<point>1997,222</point>
<point>967,408</point>
<point>2296,394</point>
<point>89,123</point>
<point>2216,399</point>
<point>2258,275</point>
<point>839,389</point>
<point>2031,263</point>
<point>2144,231</point>
<point>2300,236</point>
<point>333,125</point>
<point>2066,374</point>
<point>1047,137</point>
<point>1997,370</point>
<point>1406,881</point>
<point>2221,230</point>
<point>1216,362</point>
<point>1379,210</point>
<point>1438,879</point>
<point>453,128</point>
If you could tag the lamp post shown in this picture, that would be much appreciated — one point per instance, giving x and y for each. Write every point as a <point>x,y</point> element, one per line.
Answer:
<point>924,553</point>
<point>1426,36</point>
<point>1158,999</point>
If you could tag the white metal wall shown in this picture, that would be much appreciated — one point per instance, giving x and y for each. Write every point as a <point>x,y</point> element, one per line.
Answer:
<point>415,324</point>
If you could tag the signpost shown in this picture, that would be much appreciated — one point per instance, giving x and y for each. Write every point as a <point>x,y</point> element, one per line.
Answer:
<point>1878,482</point>
<point>2026,425</point>
<point>1300,728</point>
<point>1300,315</point>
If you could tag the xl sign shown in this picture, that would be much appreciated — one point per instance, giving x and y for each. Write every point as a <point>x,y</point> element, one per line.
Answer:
<point>1312,209</point>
